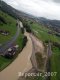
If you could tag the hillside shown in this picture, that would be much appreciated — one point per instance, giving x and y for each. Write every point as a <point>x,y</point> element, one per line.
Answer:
<point>8,30</point>
<point>42,33</point>
<point>7,23</point>
<point>45,30</point>
<point>52,24</point>
<point>13,12</point>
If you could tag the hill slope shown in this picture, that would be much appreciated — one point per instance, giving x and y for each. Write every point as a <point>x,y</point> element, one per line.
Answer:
<point>12,11</point>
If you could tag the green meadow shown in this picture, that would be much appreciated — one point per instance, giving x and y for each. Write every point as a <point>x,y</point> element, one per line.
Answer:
<point>41,32</point>
<point>12,28</point>
<point>9,26</point>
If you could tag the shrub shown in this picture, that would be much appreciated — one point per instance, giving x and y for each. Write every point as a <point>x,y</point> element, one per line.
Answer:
<point>3,20</point>
<point>22,30</point>
<point>27,27</point>
<point>56,44</point>
<point>24,41</point>
<point>8,56</point>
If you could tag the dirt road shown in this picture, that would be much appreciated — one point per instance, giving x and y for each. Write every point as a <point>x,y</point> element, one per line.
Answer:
<point>21,64</point>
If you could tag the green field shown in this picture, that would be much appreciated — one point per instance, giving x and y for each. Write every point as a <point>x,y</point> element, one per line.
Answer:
<point>55,63</point>
<point>10,26</point>
<point>42,33</point>
<point>35,78</point>
<point>19,40</point>
<point>4,62</point>
<point>44,36</point>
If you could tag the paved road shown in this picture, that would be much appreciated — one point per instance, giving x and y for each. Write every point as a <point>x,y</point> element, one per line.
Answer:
<point>8,44</point>
<point>21,64</point>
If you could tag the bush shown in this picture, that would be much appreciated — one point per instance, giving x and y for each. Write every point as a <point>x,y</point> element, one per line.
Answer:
<point>27,27</point>
<point>56,44</point>
<point>8,56</point>
<point>3,20</point>
<point>46,41</point>
<point>22,30</point>
<point>31,22</point>
<point>24,41</point>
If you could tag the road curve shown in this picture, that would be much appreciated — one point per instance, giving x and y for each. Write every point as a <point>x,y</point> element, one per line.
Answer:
<point>21,64</point>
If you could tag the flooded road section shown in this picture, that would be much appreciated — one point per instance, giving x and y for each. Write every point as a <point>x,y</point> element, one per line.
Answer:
<point>21,64</point>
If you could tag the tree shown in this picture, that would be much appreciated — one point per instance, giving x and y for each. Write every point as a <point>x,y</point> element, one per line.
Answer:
<point>22,30</point>
<point>24,41</point>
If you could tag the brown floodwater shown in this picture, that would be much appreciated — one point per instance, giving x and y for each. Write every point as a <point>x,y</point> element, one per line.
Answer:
<point>21,64</point>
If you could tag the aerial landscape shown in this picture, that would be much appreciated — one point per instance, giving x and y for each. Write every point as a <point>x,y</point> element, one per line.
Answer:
<point>30,40</point>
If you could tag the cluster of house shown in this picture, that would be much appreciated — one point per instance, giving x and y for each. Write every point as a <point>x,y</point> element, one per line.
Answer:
<point>12,50</point>
<point>54,33</point>
<point>4,32</point>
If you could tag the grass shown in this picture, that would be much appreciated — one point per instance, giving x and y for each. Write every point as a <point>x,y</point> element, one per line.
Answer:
<point>42,33</point>
<point>4,62</point>
<point>55,59</point>
<point>10,26</point>
<point>35,78</point>
<point>55,63</point>
<point>19,40</point>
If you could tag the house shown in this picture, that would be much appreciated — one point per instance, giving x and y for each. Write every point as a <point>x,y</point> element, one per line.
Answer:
<point>3,32</point>
<point>16,46</point>
<point>11,51</point>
